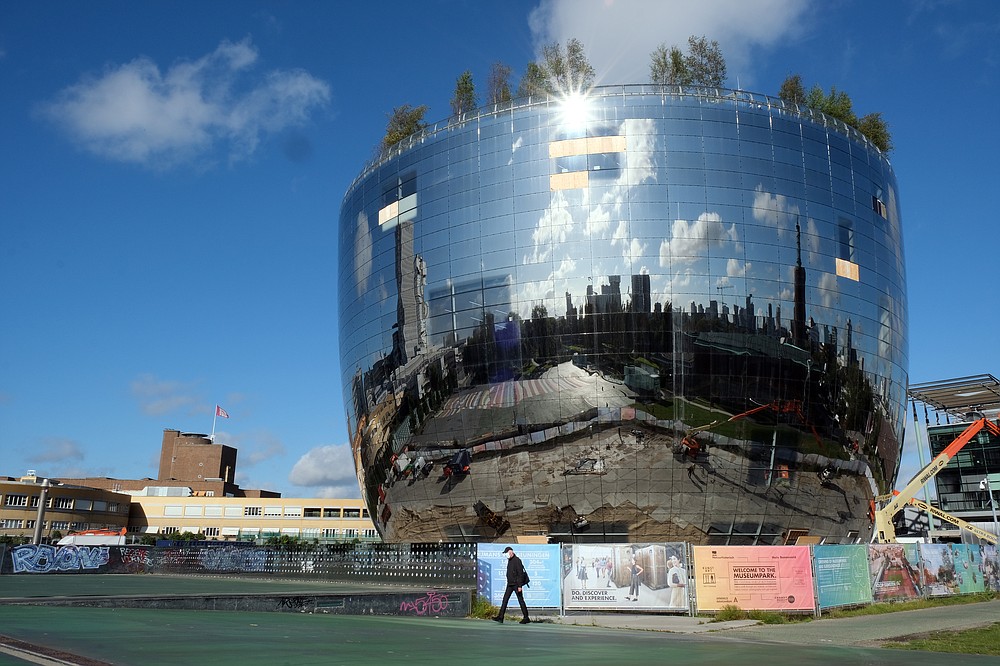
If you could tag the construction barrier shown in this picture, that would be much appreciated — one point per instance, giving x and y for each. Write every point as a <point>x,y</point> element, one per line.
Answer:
<point>648,577</point>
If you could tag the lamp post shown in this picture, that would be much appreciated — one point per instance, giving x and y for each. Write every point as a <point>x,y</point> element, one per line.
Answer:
<point>40,518</point>
<point>985,485</point>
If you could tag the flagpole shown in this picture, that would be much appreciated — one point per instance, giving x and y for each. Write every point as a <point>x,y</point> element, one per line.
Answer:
<point>215,416</point>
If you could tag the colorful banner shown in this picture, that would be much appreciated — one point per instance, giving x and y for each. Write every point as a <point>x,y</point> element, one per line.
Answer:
<point>951,568</point>
<point>895,571</point>
<point>753,577</point>
<point>991,568</point>
<point>541,561</point>
<point>842,575</point>
<point>638,576</point>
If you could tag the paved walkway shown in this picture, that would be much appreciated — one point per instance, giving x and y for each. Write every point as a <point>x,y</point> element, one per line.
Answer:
<point>866,630</point>
<point>98,636</point>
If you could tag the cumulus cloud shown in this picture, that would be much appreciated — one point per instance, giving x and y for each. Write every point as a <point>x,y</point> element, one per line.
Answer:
<point>741,28</point>
<point>55,450</point>
<point>137,113</point>
<point>162,396</point>
<point>328,471</point>
<point>690,241</point>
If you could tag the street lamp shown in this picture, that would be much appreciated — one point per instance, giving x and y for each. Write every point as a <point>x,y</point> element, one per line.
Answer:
<point>985,485</point>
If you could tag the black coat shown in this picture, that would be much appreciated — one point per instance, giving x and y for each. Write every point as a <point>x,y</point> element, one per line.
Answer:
<point>516,575</point>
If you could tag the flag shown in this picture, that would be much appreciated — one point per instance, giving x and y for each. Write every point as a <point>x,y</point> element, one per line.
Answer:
<point>219,411</point>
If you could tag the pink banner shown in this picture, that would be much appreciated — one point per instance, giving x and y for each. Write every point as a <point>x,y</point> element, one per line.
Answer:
<point>753,577</point>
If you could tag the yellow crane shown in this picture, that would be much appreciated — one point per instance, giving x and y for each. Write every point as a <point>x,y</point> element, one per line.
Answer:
<point>885,531</point>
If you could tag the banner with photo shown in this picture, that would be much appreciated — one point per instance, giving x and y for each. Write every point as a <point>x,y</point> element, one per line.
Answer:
<point>541,561</point>
<point>753,577</point>
<point>991,568</point>
<point>842,575</point>
<point>895,571</point>
<point>638,576</point>
<point>951,568</point>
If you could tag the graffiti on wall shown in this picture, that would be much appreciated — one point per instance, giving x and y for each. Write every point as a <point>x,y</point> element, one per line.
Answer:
<point>46,558</point>
<point>431,603</point>
<point>234,559</point>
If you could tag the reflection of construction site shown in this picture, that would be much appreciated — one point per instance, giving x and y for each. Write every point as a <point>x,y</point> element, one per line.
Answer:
<point>615,474</point>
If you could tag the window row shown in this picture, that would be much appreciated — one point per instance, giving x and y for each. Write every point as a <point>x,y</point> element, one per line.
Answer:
<point>16,500</point>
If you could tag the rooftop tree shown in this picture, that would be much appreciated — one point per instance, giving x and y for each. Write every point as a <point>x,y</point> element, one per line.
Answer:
<point>702,65</point>
<point>498,85</point>
<point>403,121</point>
<point>838,104</point>
<point>667,67</point>
<point>562,70</point>
<point>705,62</point>
<point>464,99</point>
<point>534,81</point>
<point>792,90</point>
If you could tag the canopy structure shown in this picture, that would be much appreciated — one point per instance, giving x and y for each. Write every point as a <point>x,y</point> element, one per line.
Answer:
<point>977,393</point>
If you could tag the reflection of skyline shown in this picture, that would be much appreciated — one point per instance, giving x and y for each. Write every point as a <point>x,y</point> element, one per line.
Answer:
<point>624,277</point>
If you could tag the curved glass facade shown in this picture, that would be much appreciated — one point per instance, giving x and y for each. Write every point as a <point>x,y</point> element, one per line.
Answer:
<point>645,315</point>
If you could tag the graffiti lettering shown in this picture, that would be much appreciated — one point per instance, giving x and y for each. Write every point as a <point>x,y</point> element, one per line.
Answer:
<point>233,559</point>
<point>44,558</point>
<point>429,604</point>
<point>295,603</point>
<point>135,556</point>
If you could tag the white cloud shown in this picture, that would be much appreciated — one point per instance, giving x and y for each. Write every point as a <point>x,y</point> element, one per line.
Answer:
<point>137,113</point>
<point>329,470</point>
<point>690,241</point>
<point>619,35</point>
<point>55,450</point>
<point>162,396</point>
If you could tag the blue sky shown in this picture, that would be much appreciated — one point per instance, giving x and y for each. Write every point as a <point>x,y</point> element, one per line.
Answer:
<point>171,176</point>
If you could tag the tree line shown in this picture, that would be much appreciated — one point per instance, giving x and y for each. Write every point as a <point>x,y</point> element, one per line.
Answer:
<point>565,69</point>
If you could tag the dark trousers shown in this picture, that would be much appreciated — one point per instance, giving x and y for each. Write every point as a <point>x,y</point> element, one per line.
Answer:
<point>520,599</point>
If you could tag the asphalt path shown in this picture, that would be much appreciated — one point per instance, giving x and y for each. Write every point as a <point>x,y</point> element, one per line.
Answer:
<point>95,636</point>
<point>150,637</point>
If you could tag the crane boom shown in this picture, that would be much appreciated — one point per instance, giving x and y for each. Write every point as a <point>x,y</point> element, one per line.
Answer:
<point>884,529</point>
<point>969,527</point>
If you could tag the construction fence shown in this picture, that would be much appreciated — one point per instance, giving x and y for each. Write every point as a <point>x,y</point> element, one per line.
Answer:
<point>645,577</point>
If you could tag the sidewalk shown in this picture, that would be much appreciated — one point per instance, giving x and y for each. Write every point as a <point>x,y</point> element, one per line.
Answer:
<point>864,630</point>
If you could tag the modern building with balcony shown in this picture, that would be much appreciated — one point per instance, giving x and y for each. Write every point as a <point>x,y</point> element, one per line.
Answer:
<point>968,487</point>
<point>643,313</point>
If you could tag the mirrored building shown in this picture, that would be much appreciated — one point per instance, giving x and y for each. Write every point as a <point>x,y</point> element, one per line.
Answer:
<point>641,314</point>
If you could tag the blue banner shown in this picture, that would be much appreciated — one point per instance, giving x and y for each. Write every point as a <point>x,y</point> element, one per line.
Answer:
<point>842,576</point>
<point>541,561</point>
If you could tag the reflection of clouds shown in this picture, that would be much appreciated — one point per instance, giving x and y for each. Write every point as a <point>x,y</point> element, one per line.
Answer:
<point>774,210</point>
<point>631,248</point>
<point>829,289</point>
<point>513,149</point>
<point>556,223</point>
<point>736,268</point>
<point>362,253</point>
<point>599,219</point>
<point>691,241</point>
<point>553,228</point>
<point>566,267</point>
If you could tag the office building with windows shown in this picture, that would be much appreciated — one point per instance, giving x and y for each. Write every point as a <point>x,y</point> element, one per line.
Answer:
<point>638,314</point>
<point>968,487</point>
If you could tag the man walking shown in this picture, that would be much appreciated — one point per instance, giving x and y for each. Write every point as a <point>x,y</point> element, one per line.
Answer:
<point>517,577</point>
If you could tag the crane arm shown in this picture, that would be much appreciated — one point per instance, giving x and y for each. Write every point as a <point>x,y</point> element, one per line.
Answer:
<point>969,527</point>
<point>885,531</point>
